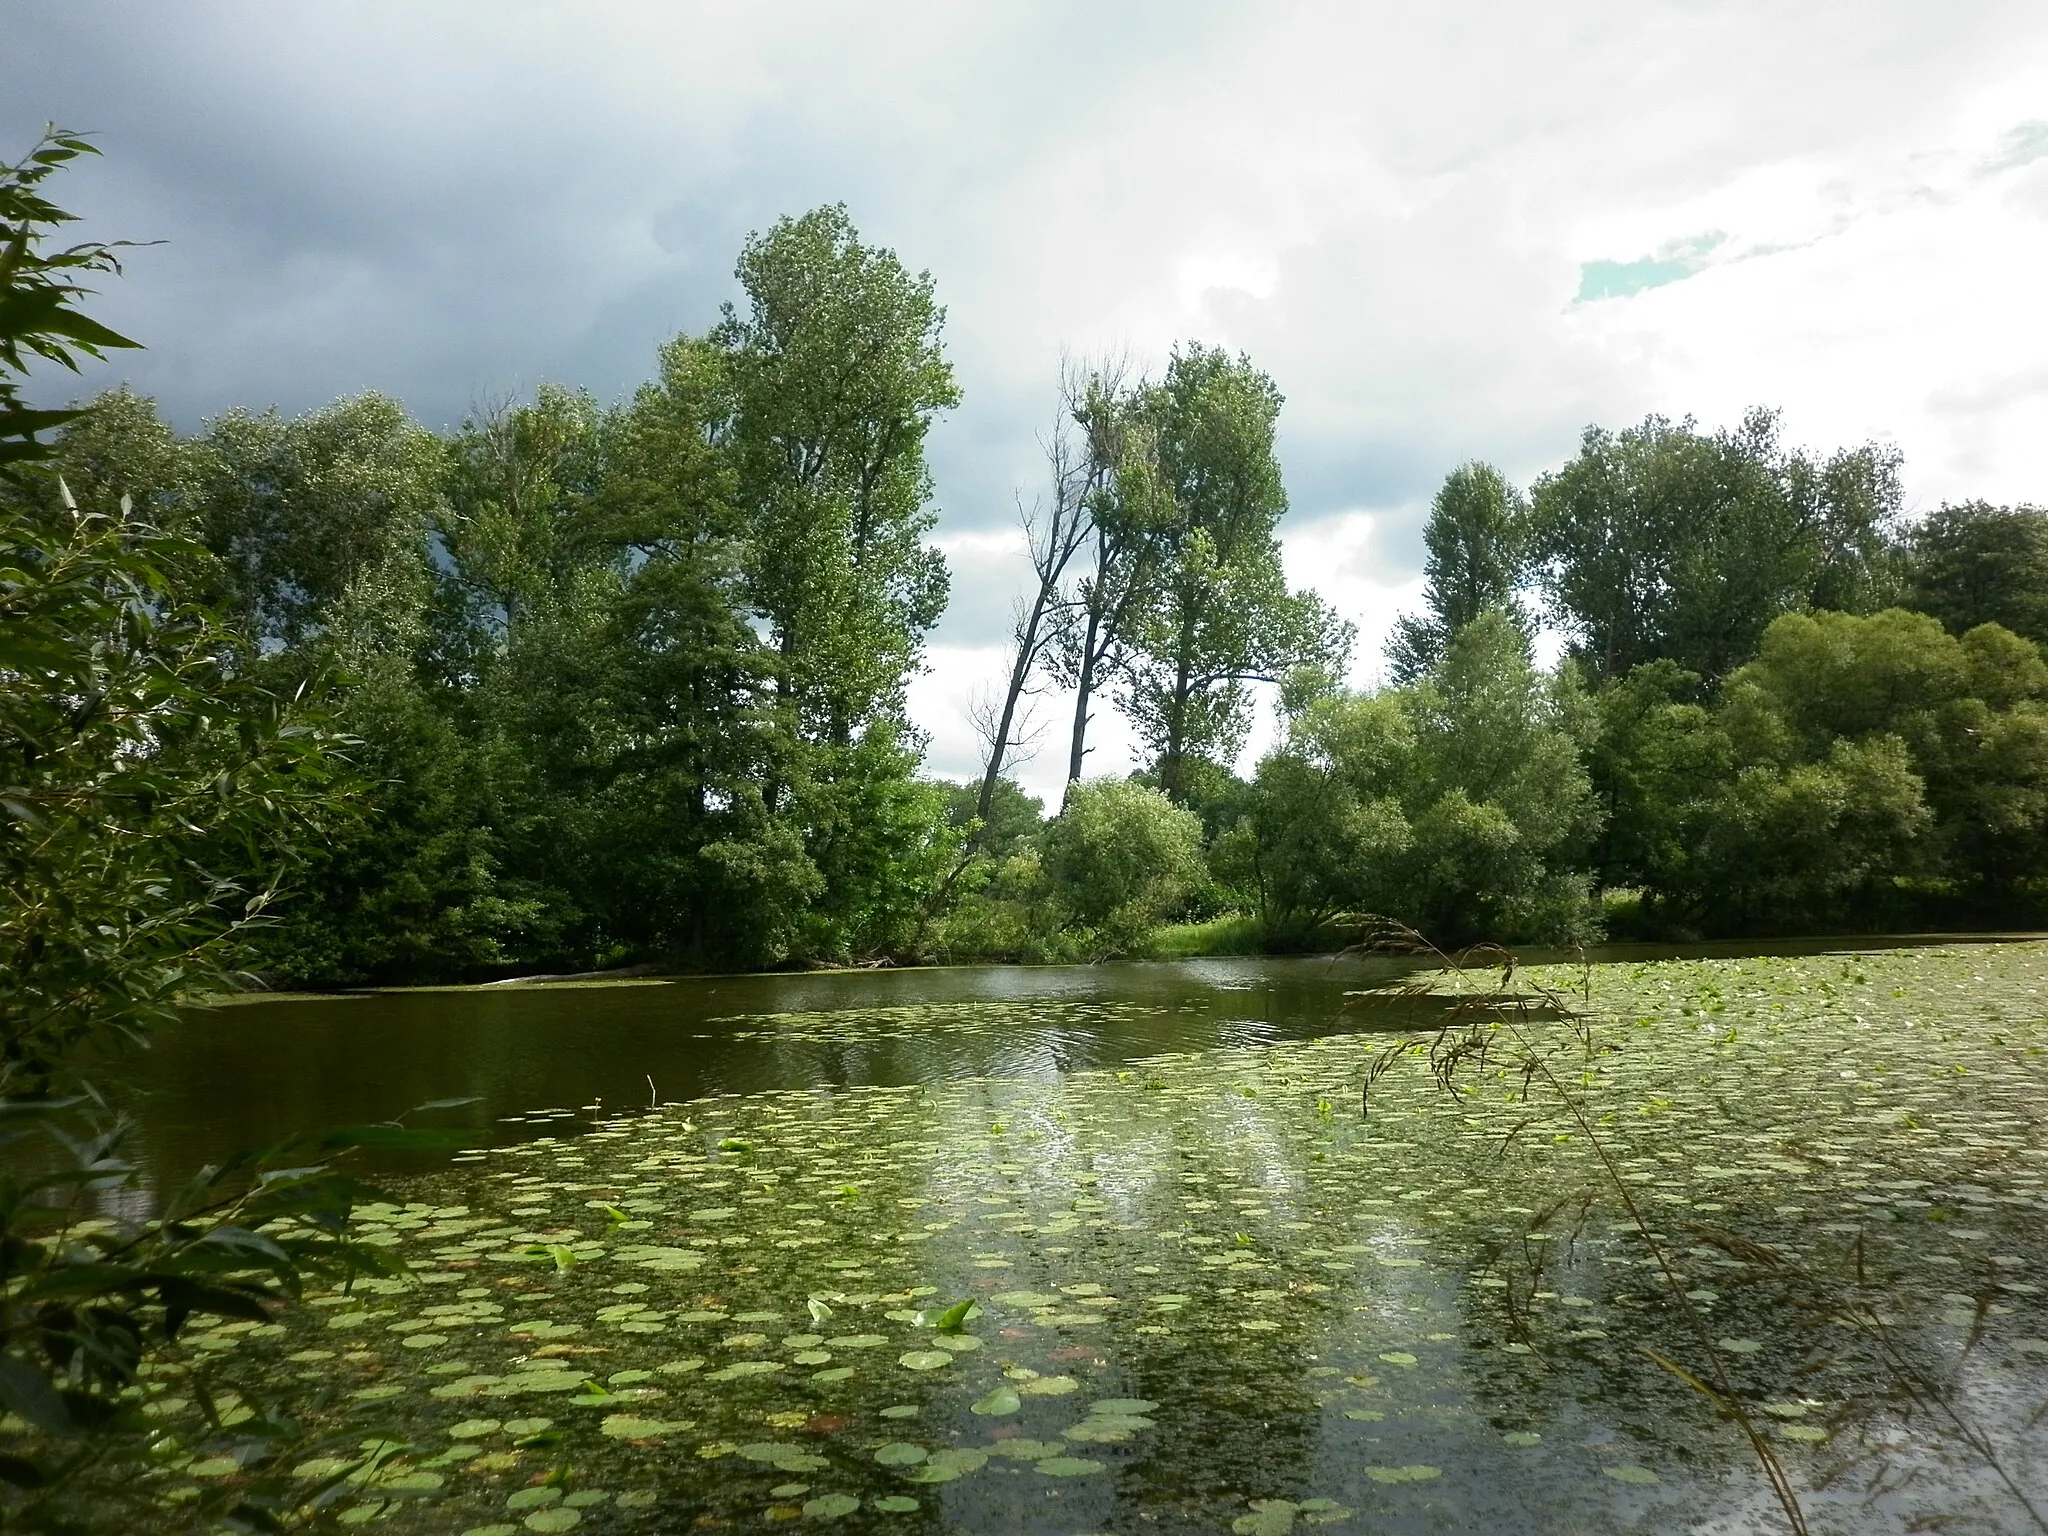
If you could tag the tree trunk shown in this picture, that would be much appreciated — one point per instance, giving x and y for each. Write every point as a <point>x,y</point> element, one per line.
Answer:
<point>1020,674</point>
<point>1084,689</point>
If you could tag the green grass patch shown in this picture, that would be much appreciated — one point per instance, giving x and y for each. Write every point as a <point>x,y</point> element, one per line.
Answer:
<point>1234,933</point>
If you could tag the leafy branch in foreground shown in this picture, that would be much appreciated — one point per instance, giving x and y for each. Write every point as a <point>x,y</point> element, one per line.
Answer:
<point>87,1303</point>
<point>39,317</point>
<point>148,792</point>
<point>147,786</point>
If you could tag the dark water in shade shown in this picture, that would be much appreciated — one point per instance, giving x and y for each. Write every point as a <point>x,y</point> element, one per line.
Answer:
<point>252,1072</point>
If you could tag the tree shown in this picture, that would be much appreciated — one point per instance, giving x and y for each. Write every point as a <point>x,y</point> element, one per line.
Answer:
<point>1458,806</point>
<point>1665,542</point>
<point>629,711</point>
<point>1217,613</point>
<point>1054,532</point>
<point>321,528</point>
<point>516,490</point>
<point>1655,756</point>
<point>837,376</point>
<point>1855,771</point>
<point>1011,819</point>
<point>1477,539</point>
<point>1121,856</point>
<point>118,447</point>
<point>1126,519</point>
<point>321,523</point>
<point>1979,564</point>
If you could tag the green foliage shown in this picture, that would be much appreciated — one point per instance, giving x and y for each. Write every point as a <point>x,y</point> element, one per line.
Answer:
<point>1478,547</point>
<point>1121,857</point>
<point>1458,806</point>
<point>88,1301</point>
<point>1013,816</point>
<point>1233,933</point>
<point>1663,542</point>
<point>1217,613</point>
<point>1655,753</point>
<point>39,314</point>
<point>1978,564</point>
<point>320,524</point>
<point>151,788</point>
<point>879,840</point>
<point>1853,761</point>
<point>116,448</point>
<point>1007,909</point>
<point>837,375</point>
<point>622,684</point>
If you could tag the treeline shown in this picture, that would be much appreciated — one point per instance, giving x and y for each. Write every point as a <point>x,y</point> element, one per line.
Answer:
<point>625,683</point>
<point>1781,709</point>
<point>618,683</point>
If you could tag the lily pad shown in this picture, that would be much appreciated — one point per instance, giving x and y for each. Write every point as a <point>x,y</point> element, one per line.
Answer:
<point>625,1426</point>
<point>1049,1386</point>
<point>1069,1466</point>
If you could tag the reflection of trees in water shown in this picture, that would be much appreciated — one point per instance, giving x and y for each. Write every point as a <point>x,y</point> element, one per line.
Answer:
<point>1891,1455</point>
<point>1232,1424</point>
<point>1237,1419</point>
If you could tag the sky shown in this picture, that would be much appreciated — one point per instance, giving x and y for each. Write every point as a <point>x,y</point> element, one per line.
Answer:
<point>1448,232</point>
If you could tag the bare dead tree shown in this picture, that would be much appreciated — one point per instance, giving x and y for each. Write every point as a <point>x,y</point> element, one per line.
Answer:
<point>1017,737</point>
<point>1055,528</point>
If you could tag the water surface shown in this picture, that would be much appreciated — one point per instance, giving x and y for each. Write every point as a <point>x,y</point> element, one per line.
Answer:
<point>1210,1295</point>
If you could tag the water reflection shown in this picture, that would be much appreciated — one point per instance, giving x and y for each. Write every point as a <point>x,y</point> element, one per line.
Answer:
<point>256,1070</point>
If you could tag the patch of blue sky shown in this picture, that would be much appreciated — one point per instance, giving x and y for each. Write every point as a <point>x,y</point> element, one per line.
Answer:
<point>1673,262</point>
<point>2020,145</point>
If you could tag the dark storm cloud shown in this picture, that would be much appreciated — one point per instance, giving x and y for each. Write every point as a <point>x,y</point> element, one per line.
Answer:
<point>461,202</point>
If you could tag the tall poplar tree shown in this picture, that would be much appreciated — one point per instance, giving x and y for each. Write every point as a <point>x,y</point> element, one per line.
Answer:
<point>837,377</point>
<point>1218,614</point>
<point>1478,546</point>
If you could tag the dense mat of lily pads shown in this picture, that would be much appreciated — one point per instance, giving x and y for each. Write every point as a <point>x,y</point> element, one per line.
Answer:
<point>1207,1295</point>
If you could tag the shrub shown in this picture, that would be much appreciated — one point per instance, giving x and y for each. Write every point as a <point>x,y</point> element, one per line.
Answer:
<point>1121,857</point>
